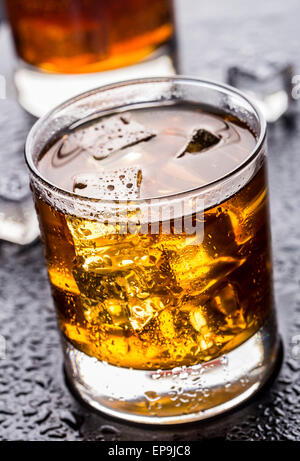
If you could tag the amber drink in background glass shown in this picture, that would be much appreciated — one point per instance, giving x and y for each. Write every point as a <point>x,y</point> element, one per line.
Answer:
<point>87,36</point>
<point>153,207</point>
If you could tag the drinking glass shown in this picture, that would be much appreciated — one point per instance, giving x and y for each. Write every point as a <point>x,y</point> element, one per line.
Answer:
<point>208,349</point>
<point>65,47</point>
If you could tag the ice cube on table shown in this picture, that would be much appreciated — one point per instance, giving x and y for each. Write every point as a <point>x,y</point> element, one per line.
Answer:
<point>18,222</point>
<point>268,82</point>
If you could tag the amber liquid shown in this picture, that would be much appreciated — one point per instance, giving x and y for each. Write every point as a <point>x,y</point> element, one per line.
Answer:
<point>157,301</point>
<point>74,36</point>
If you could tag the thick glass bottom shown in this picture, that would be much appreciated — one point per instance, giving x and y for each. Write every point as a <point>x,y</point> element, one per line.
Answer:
<point>179,395</point>
<point>39,91</point>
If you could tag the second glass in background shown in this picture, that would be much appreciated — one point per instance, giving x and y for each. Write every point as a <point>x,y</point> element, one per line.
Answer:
<point>93,42</point>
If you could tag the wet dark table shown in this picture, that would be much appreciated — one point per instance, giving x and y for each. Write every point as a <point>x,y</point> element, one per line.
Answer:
<point>35,402</point>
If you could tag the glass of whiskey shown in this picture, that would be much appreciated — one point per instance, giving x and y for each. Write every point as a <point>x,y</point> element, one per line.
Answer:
<point>153,207</point>
<point>66,47</point>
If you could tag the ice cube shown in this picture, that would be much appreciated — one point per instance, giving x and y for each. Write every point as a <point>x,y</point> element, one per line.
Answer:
<point>196,271</point>
<point>120,184</point>
<point>219,239</point>
<point>268,81</point>
<point>226,301</point>
<point>128,272</point>
<point>166,323</point>
<point>200,141</point>
<point>142,313</point>
<point>189,322</point>
<point>110,134</point>
<point>98,281</point>
<point>204,322</point>
<point>200,323</point>
<point>248,212</point>
<point>102,296</point>
<point>198,267</point>
<point>197,319</point>
<point>152,279</point>
<point>109,298</point>
<point>18,223</point>
<point>106,312</point>
<point>89,234</point>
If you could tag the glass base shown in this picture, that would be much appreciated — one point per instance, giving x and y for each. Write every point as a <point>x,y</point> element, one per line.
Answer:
<point>180,395</point>
<point>39,92</point>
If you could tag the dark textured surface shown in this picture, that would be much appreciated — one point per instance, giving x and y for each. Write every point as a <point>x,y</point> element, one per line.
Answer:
<point>35,403</point>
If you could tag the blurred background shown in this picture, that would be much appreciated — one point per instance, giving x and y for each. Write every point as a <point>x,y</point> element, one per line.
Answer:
<point>252,45</point>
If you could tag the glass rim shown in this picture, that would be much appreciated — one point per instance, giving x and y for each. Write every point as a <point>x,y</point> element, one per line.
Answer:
<point>213,85</point>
